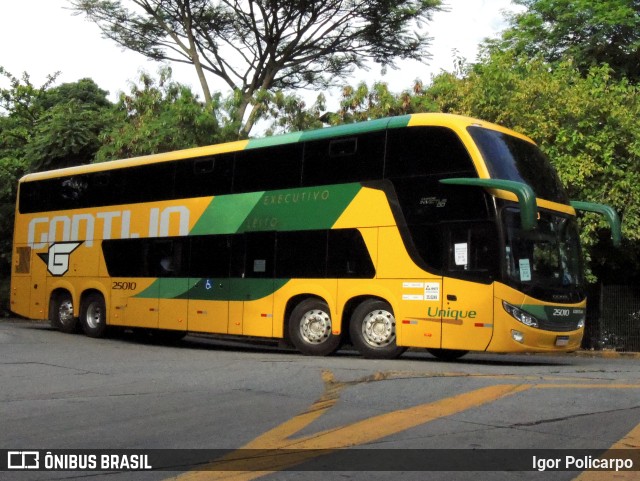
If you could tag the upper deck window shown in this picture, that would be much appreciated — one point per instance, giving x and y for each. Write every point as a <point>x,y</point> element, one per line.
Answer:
<point>422,151</point>
<point>512,158</point>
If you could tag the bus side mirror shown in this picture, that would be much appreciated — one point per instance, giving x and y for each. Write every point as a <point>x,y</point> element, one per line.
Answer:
<point>609,214</point>
<point>524,193</point>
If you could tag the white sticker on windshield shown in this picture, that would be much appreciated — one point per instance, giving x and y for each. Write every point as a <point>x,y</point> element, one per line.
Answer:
<point>525,270</point>
<point>460,252</point>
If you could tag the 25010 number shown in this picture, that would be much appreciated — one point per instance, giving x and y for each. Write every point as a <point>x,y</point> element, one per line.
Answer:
<point>123,286</point>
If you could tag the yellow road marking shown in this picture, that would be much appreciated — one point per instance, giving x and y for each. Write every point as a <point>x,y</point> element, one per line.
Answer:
<point>277,449</point>
<point>630,441</point>
<point>587,386</point>
<point>302,449</point>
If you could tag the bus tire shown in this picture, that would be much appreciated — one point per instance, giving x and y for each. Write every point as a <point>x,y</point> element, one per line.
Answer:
<point>447,354</point>
<point>61,314</point>
<point>310,328</point>
<point>373,330</point>
<point>93,315</point>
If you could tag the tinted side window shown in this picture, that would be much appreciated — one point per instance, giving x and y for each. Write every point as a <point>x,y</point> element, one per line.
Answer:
<point>420,151</point>
<point>156,257</point>
<point>204,176</point>
<point>253,255</point>
<point>349,159</point>
<point>269,168</point>
<point>429,242</point>
<point>301,254</point>
<point>348,255</point>
<point>72,192</point>
<point>126,257</point>
<point>426,200</point>
<point>472,250</point>
<point>145,183</point>
<point>210,256</point>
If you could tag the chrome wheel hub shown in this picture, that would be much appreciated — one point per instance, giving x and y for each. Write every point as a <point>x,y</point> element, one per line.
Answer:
<point>315,326</point>
<point>65,312</point>
<point>94,315</point>
<point>379,328</point>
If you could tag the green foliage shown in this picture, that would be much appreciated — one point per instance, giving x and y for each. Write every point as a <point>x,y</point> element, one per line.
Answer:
<point>590,32</point>
<point>367,103</point>
<point>160,116</point>
<point>288,113</point>
<point>586,124</point>
<point>66,135</point>
<point>51,127</point>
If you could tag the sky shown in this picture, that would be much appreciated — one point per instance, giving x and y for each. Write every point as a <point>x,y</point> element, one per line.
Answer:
<point>41,37</point>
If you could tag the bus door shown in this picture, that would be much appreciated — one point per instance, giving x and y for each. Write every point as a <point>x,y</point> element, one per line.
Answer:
<point>467,297</point>
<point>252,284</point>
<point>209,284</point>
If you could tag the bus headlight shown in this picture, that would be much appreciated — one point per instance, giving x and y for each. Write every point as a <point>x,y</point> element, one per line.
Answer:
<point>520,315</point>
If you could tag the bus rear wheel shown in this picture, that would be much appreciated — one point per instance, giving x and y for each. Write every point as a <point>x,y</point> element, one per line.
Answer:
<point>310,328</point>
<point>373,330</point>
<point>93,315</point>
<point>61,314</point>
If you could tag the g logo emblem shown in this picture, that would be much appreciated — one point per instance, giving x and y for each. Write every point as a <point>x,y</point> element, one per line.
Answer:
<point>57,259</point>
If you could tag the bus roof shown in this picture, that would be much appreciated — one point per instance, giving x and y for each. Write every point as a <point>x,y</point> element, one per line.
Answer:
<point>455,122</point>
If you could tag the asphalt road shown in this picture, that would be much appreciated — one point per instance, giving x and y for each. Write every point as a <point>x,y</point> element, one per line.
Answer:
<point>60,391</point>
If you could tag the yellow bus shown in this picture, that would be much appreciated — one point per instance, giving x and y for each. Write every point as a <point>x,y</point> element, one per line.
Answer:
<point>425,231</point>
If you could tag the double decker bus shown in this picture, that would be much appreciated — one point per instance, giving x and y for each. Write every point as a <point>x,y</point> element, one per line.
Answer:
<point>425,231</point>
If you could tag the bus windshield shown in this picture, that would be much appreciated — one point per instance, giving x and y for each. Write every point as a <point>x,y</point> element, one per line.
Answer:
<point>545,262</point>
<point>511,158</point>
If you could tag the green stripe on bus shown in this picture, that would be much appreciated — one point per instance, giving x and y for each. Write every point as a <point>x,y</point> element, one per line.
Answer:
<point>212,289</point>
<point>226,213</point>
<point>291,138</point>
<point>303,208</point>
<point>233,289</point>
<point>300,209</point>
<point>330,132</point>
<point>555,313</point>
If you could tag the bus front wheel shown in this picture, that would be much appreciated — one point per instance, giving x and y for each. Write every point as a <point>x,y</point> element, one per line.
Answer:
<point>93,315</point>
<point>310,328</point>
<point>61,315</point>
<point>373,330</point>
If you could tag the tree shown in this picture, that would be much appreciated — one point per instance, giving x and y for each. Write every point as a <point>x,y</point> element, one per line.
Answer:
<point>591,32</point>
<point>40,128</point>
<point>255,45</point>
<point>51,127</point>
<point>159,116</point>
